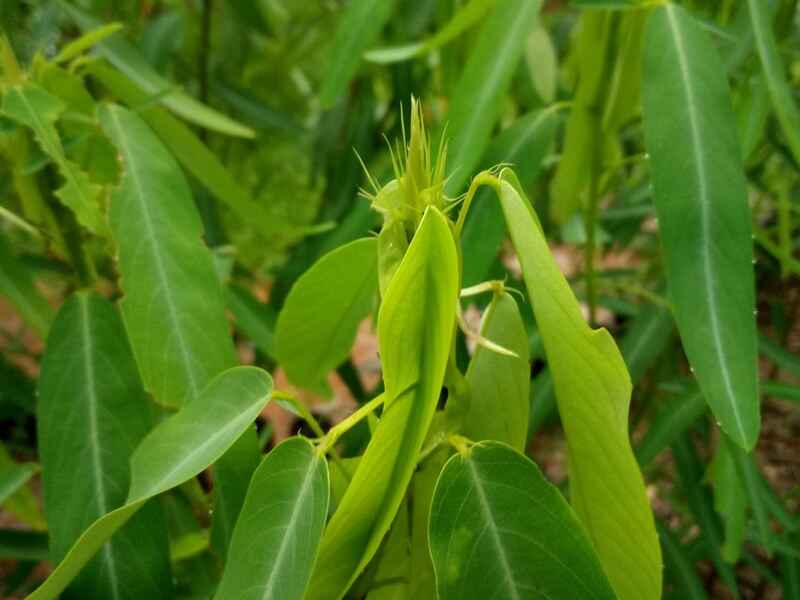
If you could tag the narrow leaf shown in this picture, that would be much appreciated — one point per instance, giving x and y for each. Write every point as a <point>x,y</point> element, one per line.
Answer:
<point>276,537</point>
<point>498,528</point>
<point>704,219</point>
<point>318,322</point>
<point>419,309</point>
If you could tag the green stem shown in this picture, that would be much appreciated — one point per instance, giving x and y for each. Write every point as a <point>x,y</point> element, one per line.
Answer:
<point>343,426</point>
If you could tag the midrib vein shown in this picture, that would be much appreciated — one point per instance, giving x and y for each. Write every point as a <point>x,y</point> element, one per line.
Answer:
<point>487,513</point>
<point>160,270</point>
<point>705,213</point>
<point>94,437</point>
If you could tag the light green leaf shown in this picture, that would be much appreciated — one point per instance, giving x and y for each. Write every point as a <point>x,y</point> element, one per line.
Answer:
<point>86,41</point>
<point>278,532</point>
<point>172,453</point>
<point>173,305</point>
<point>185,146</point>
<point>478,97</point>
<point>35,108</point>
<point>318,322</point>
<point>17,284</point>
<point>358,28</point>
<point>499,385</point>
<point>704,219</point>
<point>593,394</point>
<point>128,59</point>
<point>775,75</point>
<point>466,17</point>
<point>499,529</point>
<point>419,309</point>
<point>92,413</point>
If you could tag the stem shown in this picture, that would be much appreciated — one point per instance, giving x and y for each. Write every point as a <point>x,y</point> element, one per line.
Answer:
<point>343,426</point>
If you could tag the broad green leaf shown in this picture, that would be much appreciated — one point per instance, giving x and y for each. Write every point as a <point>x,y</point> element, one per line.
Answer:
<point>13,477</point>
<point>593,392</point>
<point>17,285</point>
<point>35,108</point>
<point>523,144</point>
<point>318,322</point>
<point>419,309</point>
<point>129,60</point>
<point>466,17</point>
<point>92,413</point>
<point>478,97</point>
<point>358,28</point>
<point>780,92</point>
<point>172,453</point>
<point>499,529</point>
<point>173,306</point>
<point>184,145</point>
<point>278,532</point>
<point>676,416</point>
<point>703,216</point>
<point>498,384</point>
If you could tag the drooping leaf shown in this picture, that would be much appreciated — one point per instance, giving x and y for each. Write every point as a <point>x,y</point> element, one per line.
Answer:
<point>467,16</point>
<point>129,60</point>
<point>780,92</point>
<point>499,384</point>
<point>318,322</point>
<point>278,532</point>
<point>92,413</point>
<point>35,108</point>
<point>593,392</point>
<point>498,528</point>
<point>419,309</point>
<point>17,284</point>
<point>358,28</point>
<point>703,216</point>
<point>478,97</point>
<point>172,453</point>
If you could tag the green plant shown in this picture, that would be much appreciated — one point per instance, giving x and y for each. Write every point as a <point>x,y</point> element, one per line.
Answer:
<point>154,243</point>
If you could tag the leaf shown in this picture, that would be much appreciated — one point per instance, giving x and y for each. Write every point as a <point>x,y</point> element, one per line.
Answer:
<point>16,498</point>
<point>676,416</point>
<point>780,92</point>
<point>482,87</point>
<point>704,219</point>
<point>730,501</point>
<point>173,306</point>
<point>33,107</point>
<point>13,477</point>
<point>184,145</point>
<point>278,532</point>
<point>86,41</point>
<point>129,60</point>
<point>419,309</point>
<point>18,286</point>
<point>359,26</point>
<point>593,394</point>
<point>92,413</point>
<point>680,566</point>
<point>172,453</point>
<point>499,385</point>
<point>255,319</point>
<point>498,528</point>
<point>318,322</point>
<point>465,18</point>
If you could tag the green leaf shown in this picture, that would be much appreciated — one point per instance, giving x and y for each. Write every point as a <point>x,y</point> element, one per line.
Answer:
<point>730,501</point>
<point>704,219</point>
<point>358,28</point>
<point>419,309</point>
<point>173,306</point>
<point>780,92</point>
<point>498,528</point>
<point>172,453</point>
<point>92,413</point>
<point>478,97</point>
<point>498,384</point>
<point>278,532</point>
<point>676,416</point>
<point>466,17</point>
<point>86,41</point>
<point>593,395</point>
<point>35,108</point>
<point>13,477</point>
<point>318,322</point>
<point>184,145</point>
<point>17,285</point>
<point>680,566</point>
<point>255,319</point>
<point>129,60</point>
